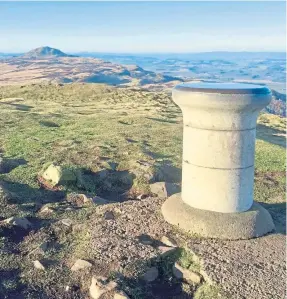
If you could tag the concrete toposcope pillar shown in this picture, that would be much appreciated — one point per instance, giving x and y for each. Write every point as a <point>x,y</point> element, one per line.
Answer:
<point>218,161</point>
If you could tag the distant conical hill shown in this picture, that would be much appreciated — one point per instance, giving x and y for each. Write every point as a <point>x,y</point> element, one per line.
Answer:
<point>45,52</point>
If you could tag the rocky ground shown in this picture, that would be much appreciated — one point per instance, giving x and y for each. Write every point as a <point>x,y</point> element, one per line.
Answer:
<point>84,170</point>
<point>117,248</point>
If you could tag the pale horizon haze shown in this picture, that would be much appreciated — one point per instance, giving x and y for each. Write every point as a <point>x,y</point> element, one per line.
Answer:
<point>143,27</point>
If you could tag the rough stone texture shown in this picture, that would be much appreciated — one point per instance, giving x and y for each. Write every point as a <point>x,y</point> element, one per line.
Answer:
<point>56,174</point>
<point>163,189</point>
<point>185,274</point>
<point>168,241</point>
<point>100,286</point>
<point>245,269</point>
<point>21,222</point>
<point>38,265</point>
<point>234,264</point>
<point>81,265</point>
<point>67,222</point>
<point>46,209</point>
<point>118,243</point>
<point>252,223</point>
<point>219,143</point>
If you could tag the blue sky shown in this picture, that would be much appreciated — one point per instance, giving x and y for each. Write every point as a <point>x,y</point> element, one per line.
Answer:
<point>134,27</point>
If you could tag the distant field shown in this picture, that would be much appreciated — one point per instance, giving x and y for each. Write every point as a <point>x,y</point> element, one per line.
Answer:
<point>92,127</point>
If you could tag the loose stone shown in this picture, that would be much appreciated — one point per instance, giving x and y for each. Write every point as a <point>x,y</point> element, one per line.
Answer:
<point>81,265</point>
<point>21,222</point>
<point>168,241</point>
<point>163,189</point>
<point>67,222</point>
<point>185,274</point>
<point>38,265</point>
<point>46,209</point>
<point>99,286</point>
<point>166,250</point>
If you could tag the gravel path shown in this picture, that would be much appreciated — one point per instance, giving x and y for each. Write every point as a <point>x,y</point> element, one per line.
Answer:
<point>246,269</point>
<point>117,242</point>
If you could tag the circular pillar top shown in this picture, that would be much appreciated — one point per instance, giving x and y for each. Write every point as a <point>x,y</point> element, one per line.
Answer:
<point>224,88</point>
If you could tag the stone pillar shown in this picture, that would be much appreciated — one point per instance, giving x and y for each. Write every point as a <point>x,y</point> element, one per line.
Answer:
<point>218,158</point>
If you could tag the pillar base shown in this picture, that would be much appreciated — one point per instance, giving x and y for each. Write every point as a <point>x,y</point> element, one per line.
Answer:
<point>253,223</point>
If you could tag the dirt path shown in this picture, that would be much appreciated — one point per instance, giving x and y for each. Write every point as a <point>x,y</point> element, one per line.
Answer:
<point>247,269</point>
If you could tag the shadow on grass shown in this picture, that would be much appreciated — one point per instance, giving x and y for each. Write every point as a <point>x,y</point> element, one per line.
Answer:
<point>8,165</point>
<point>163,120</point>
<point>49,124</point>
<point>10,286</point>
<point>271,135</point>
<point>20,107</point>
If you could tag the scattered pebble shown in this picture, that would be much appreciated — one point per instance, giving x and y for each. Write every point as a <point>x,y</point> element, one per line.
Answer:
<point>38,265</point>
<point>46,209</point>
<point>68,222</point>
<point>81,265</point>
<point>99,286</point>
<point>168,241</point>
<point>21,222</point>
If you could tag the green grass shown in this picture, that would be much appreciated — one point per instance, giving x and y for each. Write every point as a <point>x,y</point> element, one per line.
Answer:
<point>90,127</point>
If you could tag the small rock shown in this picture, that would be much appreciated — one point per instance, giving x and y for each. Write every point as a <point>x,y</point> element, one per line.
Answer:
<point>121,295</point>
<point>109,215</point>
<point>141,196</point>
<point>168,241</point>
<point>145,239</point>
<point>99,286</point>
<point>72,288</point>
<point>81,265</point>
<point>163,189</point>
<point>166,250</point>
<point>185,274</point>
<point>46,209</point>
<point>57,174</point>
<point>21,222</point>
<point>151,274</point>
<point>67,222</point>
<point>85,198</point>
<point>38,265</point>
<point>69,209</point>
